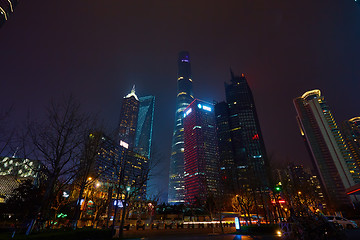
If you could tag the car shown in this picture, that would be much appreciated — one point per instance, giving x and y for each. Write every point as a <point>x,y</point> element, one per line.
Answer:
<point>349,224</point>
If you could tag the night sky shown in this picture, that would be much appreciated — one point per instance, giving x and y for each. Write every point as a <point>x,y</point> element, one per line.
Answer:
<point>97,49</point>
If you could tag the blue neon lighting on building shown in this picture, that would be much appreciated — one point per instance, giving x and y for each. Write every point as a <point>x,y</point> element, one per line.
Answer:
<point>187,112</point>
<point>207,108</point>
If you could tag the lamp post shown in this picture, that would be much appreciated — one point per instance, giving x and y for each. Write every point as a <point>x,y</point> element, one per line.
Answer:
<point>123,215</point>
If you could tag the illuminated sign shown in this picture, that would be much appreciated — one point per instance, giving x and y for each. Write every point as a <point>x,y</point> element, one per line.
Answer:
<point>187,112</point>
<point>119,203</point>
<point>207,108</point>
<point>65,194</point>
<point>124,144</point>
<point>204,107</point>
<point>237,223</point>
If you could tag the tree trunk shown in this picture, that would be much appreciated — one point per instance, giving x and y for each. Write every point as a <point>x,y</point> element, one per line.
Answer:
<point>123,216</point>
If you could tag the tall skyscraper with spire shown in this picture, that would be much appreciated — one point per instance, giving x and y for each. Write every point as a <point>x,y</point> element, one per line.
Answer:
<point>128,119</point>
<point>183,99</point>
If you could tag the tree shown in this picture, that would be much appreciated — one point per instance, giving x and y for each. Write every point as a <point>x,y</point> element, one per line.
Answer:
<point>6,136</point>
<point>24,200</point>
<point>57,142</point>
<point>244,203</point>
<point>86,175</point>
<point>214,205</point>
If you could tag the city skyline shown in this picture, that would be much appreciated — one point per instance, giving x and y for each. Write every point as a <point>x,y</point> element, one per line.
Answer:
<point>99,51</point>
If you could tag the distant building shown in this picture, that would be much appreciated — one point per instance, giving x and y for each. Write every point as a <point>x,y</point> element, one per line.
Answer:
<point>201,163</point>
<point>114,163</point>
<point>144,130</point>
<point>15,170</point>
<point>350,130</point>
<point>107,163</point>
<point>300,183</point>
<point>183,99</point>
<point>19,167</point>
<point>329,153</point>
<point>242,151</point>
<point>307,183</point>
<point>128,119</point>
<point>136,172</point>
<point>6,9</point>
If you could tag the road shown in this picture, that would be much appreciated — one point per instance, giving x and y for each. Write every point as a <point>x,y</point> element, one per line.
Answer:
<point>213,237</point>
<point>351,235</point>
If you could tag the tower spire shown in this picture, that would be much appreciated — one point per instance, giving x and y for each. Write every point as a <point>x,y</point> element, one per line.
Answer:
<point>132,93</point>
<point>232,73</point>
<point>133,89</point>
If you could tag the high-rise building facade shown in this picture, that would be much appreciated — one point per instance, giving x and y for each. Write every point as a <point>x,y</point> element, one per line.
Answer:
<point>114,163</point>
<point>329,153</point>
<point>128,119</point>
<point>242,151</point>
<point>143,138</point>
<point>183,99</point>
<point>350,130</point>
<point>201,163</point>
<point>6,9</point>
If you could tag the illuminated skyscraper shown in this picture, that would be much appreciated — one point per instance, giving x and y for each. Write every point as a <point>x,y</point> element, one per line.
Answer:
<point>201,163</point>
<point>351,132</point>
<point>144,128</point>
<point>183,99</point>
<point>143,138</point>
<point>128,119</point>
<point>6,9</point>
<point>113,163</point>
<point>241,147</point>
<point>329,153</point>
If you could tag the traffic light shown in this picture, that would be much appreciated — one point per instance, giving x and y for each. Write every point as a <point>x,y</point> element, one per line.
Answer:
<point>278,188</point>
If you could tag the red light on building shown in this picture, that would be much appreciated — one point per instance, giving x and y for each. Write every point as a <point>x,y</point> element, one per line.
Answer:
<point>255,137</point>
